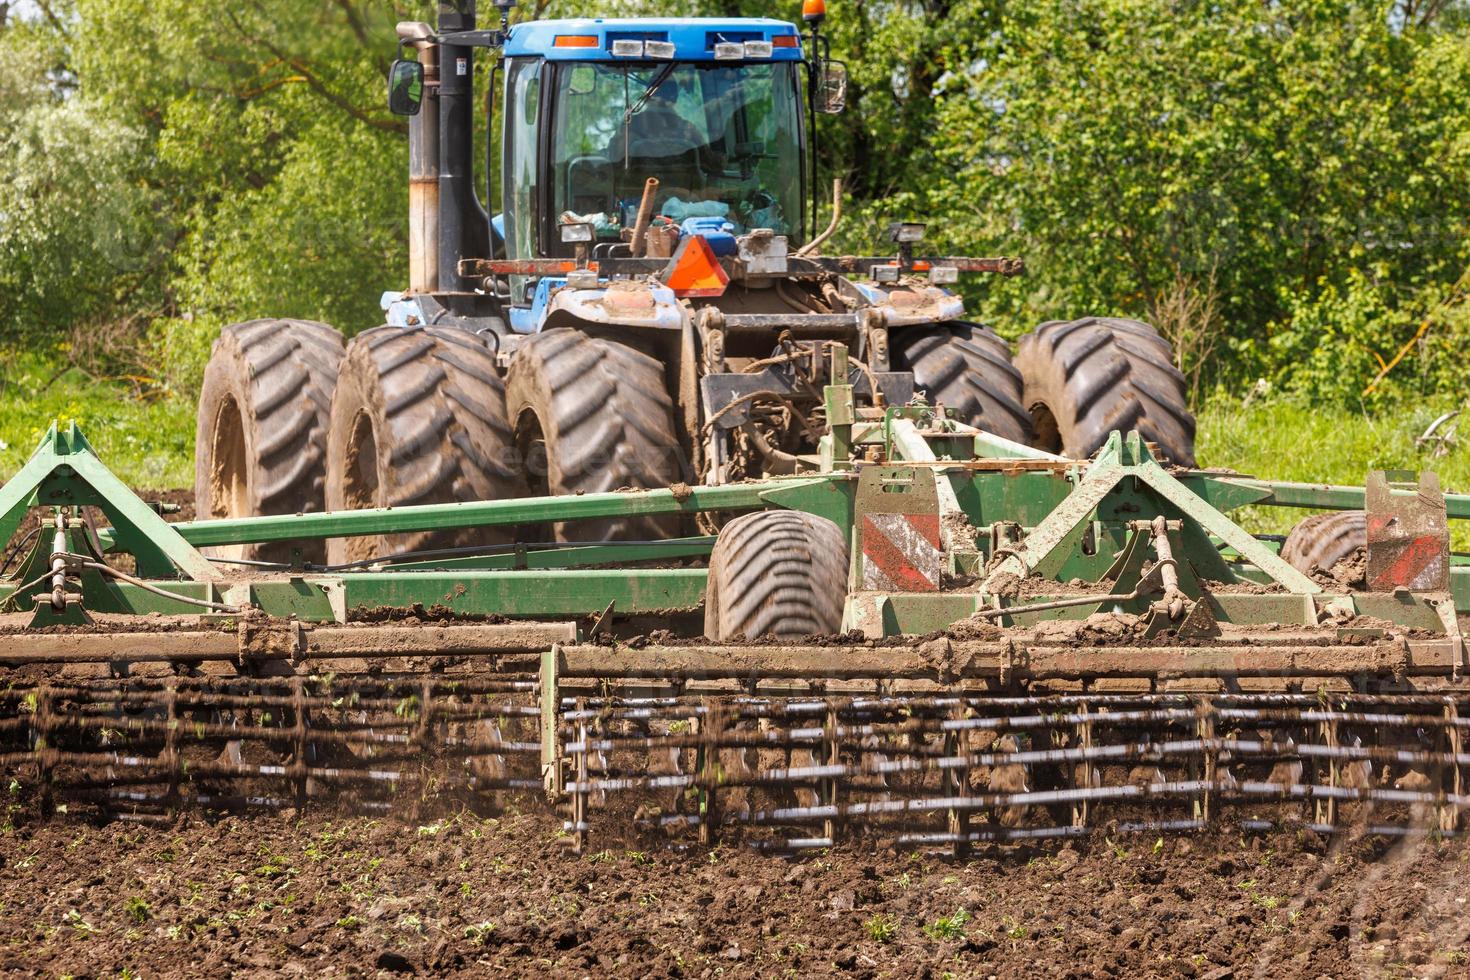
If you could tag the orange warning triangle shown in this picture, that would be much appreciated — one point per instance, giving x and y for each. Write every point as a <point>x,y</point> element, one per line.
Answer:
<point>695,270</point>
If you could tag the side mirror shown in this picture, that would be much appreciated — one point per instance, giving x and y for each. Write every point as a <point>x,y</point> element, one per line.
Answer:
<point>405,87</point>
<point>831,88</point>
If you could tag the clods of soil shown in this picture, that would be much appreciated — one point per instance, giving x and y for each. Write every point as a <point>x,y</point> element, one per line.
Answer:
<point>325,896</point>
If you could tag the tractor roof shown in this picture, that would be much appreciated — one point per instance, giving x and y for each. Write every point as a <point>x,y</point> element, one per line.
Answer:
<point>694,38</point>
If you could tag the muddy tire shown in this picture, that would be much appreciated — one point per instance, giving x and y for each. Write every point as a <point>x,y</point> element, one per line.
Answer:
<point>260,442</point>
<point>966,368</point>
<point>1323,540</point>
<point>1087,378</point>
<point>776,573</point>
<point>593,415</point>
<point>418,418</point>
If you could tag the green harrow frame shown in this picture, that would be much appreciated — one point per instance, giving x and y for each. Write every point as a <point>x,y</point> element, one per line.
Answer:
<point>1035,645</point>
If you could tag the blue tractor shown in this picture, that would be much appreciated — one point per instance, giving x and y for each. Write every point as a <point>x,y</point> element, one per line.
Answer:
<point>650,307</point>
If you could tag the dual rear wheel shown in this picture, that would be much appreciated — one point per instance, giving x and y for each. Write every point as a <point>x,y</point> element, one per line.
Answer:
<point>1072,383</point>
<point>292,420</point>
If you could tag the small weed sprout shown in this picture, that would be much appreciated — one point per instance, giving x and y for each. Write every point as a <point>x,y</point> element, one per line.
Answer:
<point>274,867</point>
<point>881,928</point>
<point>79,925</point>
<point>948,927</point>
<point>479,933</point>
<point>349,922</point>
<point>137,910</point>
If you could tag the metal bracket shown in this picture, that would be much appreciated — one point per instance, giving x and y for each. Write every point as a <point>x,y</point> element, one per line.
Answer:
<point>65,471</point>
<point>1124,457</point>
<point>897,512</point>
<point>1408,534</point>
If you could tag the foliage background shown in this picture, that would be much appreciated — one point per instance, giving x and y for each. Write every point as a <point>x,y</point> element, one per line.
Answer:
<point>1282,186</point>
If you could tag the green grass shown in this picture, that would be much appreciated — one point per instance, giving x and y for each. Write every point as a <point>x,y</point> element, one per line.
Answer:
<point>1287,440</point>
<point>149,442</point>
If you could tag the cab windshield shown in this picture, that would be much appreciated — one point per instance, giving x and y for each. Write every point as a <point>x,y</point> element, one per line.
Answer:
<point>724,142</point>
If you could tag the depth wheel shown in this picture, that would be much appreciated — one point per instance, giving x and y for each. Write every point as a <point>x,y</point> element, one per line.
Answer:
<point>1323,540</point>
<point>776,573</point>
<point>260,443</point>
<point>966,368</point>
<point>418,418</point>
<point>593,415</point>
<point>1087,378</point>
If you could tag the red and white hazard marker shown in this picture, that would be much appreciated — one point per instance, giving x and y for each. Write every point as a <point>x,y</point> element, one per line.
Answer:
<point>902,552</point>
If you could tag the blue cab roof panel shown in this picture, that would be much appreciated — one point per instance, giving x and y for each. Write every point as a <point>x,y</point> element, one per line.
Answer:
<point>694,38</point>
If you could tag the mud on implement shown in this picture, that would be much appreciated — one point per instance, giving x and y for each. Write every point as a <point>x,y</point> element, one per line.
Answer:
<point>874,577</point>
<point>964,640</point>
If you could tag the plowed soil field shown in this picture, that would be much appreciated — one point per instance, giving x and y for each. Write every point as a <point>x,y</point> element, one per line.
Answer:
<point>469,895</point>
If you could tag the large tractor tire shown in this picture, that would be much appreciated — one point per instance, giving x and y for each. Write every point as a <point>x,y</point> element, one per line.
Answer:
<point>776,573</point>
<point>1087,378</point>
<point>593,415</point>
<point>260,443</point>
<point>1323,540</point>
<point>418,418</point>
<point>966,368</point>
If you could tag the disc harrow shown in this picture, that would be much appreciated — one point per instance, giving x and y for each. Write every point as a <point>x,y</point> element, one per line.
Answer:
<point>749,759</point>
<point>1030,647</point>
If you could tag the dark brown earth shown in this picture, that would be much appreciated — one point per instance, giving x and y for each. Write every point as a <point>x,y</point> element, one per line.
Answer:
<point>358,897</point>
<point>330,896</point>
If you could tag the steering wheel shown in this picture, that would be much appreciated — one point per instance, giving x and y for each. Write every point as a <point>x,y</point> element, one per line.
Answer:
<point>588,162</point>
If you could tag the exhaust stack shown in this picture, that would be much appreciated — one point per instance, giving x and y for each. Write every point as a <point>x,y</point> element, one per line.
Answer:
<point>423,167</point>
<point>464,227</point>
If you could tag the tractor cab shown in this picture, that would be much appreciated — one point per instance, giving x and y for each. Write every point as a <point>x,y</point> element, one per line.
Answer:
<point>701,126</point>
<point>657,227</point>
<point>710,109</point>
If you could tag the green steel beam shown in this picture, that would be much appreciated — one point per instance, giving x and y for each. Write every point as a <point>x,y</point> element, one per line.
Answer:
<point>572,556</point>
<point>100,596</point>
<point>1321,496</point>
<point>576,592</point>
<point>988,445</point>
<point>1221,493</point>
<point>318,599</point>
<point>829,498</point>
<point>487,513</point>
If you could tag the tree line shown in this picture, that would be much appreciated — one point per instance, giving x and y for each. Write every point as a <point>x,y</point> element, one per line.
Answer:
<point>1282,186</point>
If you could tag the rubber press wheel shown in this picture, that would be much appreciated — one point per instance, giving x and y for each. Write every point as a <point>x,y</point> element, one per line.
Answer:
<point>593,415</point>
<point>260,442</point>
<point>1087,378</point>
<point>966,368</point>
<point>418,418</point>
<point>776,573</point>
<point>1323,540</point>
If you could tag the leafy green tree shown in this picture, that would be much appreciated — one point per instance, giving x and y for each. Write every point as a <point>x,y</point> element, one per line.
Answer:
<point>1294,174</point>
<point>1265,152</point>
